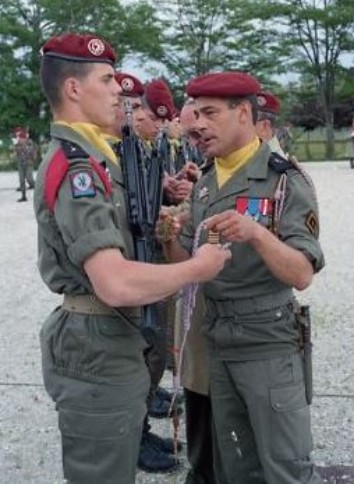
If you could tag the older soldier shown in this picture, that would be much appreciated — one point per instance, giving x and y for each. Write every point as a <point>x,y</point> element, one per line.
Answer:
<point>92,346</point>
<point>265,209</point>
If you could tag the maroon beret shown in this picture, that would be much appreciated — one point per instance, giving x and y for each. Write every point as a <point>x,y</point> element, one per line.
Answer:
<point>223,84</point>
<point>159,99</point>
<point>80,48</point>
<point>267,102</point>
<point>20,132</point>
<point>131,86</point>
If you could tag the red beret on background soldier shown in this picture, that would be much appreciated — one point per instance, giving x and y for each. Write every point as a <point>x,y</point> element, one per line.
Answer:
<point>268,111</point>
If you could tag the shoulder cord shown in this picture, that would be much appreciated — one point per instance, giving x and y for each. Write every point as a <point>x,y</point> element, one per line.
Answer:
<point>307,177</point>
<point>279,197</point>
<point>188,295</point>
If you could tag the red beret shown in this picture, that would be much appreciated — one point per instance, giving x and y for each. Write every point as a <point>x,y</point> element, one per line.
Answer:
<point>80,48</point>
<point>159,99</point>
<point>267,102</point>
<point>131,86</point>
<point>20,132</point>
<point>223,84</point>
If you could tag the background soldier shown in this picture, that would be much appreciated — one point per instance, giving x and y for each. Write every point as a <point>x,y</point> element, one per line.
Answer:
<point>92,346</point>
<point>25,154</point>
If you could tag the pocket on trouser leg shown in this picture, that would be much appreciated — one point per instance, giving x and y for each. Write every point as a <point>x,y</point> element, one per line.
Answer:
<point>99,447</point>
<point>290,423</point>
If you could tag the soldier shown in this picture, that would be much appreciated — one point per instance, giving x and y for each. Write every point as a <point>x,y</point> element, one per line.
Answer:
<point>25,155</point>
<point>154,452</point>
<point>92,346</point>
<point>265,209</point>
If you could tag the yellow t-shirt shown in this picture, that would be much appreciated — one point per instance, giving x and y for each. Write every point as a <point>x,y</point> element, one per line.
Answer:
<point>228,166</point>
<point>94,135</point>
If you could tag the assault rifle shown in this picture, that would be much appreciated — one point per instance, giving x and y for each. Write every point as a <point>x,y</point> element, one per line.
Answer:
<point>164,152</point>
<point>142,209</point>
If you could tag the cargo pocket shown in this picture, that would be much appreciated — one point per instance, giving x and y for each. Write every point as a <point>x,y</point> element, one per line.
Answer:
<point>96,445</point>
<point>290,422</point>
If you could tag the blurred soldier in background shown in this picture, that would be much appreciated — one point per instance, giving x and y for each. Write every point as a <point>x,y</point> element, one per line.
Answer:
<point>25,155</point>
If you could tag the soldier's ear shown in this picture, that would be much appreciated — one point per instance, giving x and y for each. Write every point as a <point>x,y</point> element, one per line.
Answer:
<point>72,88</point>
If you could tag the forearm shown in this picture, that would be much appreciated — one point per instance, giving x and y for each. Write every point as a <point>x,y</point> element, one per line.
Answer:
<point>121,282</point>
<point>286,263</point>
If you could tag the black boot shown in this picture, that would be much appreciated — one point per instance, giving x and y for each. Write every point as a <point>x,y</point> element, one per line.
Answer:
<point>166,395</point>
<point>152,459</point>
<point>160,408</point>
<point>167,445</point>
<point>22,199</point>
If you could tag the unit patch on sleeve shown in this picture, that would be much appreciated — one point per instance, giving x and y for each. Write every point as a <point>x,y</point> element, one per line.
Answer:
<point>82,184</point>
<point>312,222</point>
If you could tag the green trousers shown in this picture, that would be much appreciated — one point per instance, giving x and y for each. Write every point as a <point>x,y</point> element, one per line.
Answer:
<point>94,370</point>
<point>262,422</point>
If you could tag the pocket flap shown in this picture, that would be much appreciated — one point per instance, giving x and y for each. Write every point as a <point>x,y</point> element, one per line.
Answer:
<point>288,398</point>
<point>105,426</point>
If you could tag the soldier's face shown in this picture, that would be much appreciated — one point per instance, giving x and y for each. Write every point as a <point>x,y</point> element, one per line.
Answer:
<point>150,126</point>
<point>138,114</point>
<point>96,95</point>
<point>223,129</point>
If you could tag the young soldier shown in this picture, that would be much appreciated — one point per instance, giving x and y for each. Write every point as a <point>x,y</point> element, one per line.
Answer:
<point>266,210</point>
<point>92,347</point>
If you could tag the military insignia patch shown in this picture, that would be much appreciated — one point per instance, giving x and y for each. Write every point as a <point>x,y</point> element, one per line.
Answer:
<point>312,222</point>
<point>82,184</point>
<point>203,194</point>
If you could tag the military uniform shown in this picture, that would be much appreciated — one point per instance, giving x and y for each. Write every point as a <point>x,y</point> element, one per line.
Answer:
<point>262,418</point>
<point>25,155</point>
<point>93,363</point>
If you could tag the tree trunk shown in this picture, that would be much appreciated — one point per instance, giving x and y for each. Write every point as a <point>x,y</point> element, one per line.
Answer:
<point>330,144</point>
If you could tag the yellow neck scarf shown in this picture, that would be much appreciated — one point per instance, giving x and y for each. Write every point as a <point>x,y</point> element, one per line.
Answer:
<point>93,134</point>
<point>228,166</point>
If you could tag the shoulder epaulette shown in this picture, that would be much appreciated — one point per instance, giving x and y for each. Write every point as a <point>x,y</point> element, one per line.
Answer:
<point>280,164</point>
<point>59,166</point>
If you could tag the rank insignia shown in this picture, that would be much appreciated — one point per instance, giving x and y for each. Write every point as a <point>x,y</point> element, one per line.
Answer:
<point>82,184</point>
<point>312,222</point>
<point>203,193</point>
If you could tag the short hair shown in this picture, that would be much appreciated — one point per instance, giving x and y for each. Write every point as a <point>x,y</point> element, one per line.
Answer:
<point>252,99</point>
<point>266,115</point>
<point>55,71</point>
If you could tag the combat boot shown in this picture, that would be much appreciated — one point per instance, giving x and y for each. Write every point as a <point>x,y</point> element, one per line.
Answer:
<point>160,407</point>
<point>22,199</point>
<point>153,459</point>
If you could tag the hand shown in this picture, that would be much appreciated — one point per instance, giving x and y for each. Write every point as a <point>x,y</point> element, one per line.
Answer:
<point>182,191</point>
<point>233,227</point>
<point>190,171</point>
<point>212,258</point>
<point>168,226</point>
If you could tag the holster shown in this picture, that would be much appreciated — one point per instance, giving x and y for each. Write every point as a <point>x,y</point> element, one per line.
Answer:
<point>303,319</point>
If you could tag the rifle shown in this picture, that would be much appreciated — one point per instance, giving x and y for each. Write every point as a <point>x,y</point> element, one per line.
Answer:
<point>164,152</point>
<point>142,209</point>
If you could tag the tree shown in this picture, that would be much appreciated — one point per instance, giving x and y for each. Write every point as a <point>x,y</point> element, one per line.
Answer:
<point>210,35</point>
<point>25,25</point>
<point>319,32</point>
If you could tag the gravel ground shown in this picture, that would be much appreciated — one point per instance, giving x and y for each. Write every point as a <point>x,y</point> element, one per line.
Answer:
<point>29,440</point>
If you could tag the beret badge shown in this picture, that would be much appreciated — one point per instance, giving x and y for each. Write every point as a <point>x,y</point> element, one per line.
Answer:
<point>261,101</point>
<point>96,47</point>
<point>161,111</point>
<point>127,84</point>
